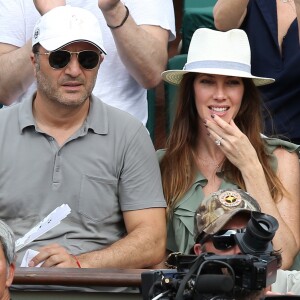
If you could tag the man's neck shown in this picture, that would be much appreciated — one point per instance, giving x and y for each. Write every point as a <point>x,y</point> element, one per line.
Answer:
<point>59,121</point>
<point>6,295</point>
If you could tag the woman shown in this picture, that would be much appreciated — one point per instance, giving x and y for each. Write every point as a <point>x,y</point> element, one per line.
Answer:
<point>216,142</point>
<point>272,27</point>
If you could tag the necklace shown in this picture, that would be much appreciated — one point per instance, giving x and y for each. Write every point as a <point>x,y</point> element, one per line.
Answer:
<point>207,162</point>
<point>286,1</point>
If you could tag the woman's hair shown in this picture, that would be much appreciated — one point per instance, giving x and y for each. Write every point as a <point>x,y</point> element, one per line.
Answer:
<point>178,165</point>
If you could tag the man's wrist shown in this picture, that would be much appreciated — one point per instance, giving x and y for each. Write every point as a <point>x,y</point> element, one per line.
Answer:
<point>76,260</point>
<point>116,16</point>
<point>123,21</point>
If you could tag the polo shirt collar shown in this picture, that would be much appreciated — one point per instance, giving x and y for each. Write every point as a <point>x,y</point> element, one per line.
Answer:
<point>26,118</point>
<point>97,118</point>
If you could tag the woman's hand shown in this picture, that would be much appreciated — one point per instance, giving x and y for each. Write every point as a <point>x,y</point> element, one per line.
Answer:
<point>234,143</point>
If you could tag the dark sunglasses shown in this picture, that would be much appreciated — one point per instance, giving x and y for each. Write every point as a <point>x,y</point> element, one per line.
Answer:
<point>223,239</point>
<point>59,59</point>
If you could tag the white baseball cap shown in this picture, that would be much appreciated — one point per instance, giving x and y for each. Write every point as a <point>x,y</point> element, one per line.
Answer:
<point>64,25</point>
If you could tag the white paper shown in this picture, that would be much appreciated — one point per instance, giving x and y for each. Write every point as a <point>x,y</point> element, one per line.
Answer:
<point>49,222</point>
<point>28,256</point>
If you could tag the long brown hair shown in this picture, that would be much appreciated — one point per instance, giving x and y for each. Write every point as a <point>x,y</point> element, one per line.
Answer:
<point>178,167</point>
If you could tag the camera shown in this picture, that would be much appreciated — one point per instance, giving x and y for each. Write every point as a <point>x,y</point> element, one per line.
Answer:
<point>211,276</point>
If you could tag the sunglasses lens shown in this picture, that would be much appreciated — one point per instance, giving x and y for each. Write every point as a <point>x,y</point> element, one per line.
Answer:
<point>224,239</point>
<point>88,59</point>
<point>224,243</point>
<point>59,59</point>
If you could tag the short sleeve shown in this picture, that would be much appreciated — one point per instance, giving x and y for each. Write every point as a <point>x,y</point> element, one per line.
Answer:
<point>154,12</point>
<point>272,143</point>
<point>140,181</point>
<point>17,19</point>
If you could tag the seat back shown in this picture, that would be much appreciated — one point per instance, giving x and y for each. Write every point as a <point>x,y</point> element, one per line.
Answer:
<point>198,3</point>
<point>177,62</point>
<point>150,125</point>
<point>194,18</point>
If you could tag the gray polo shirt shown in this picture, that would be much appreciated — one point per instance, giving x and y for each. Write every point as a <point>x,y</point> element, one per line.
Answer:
<point>107,167</point>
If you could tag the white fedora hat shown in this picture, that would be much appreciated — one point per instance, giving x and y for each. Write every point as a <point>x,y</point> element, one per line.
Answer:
<point>216,52</point>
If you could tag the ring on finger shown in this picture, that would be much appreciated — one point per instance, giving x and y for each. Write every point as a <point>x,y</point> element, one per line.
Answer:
<point>218,141</point>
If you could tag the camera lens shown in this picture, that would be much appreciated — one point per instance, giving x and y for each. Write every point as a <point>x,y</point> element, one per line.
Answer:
<point>258,235</point>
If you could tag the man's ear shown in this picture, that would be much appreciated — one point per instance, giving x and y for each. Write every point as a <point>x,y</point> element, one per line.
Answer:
<point>10,275</point>
<point>35,63</point>
<point>197,249</point>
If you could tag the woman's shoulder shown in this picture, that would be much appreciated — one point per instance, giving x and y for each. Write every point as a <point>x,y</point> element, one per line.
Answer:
<point>273,144</point>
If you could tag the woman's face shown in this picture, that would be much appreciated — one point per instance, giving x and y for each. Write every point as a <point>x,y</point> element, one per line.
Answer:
<point>218,95</point>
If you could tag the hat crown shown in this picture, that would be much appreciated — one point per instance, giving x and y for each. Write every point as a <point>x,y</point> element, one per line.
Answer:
<point>218,53</point>
<point>66,24</point>
<point>211,45</point>
<point>218,208</point>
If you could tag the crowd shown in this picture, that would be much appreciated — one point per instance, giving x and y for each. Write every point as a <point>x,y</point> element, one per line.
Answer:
<point>74,75</point>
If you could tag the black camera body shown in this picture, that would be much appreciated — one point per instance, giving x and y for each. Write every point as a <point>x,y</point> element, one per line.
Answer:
<point>244,273</point>
<point>211,276</point>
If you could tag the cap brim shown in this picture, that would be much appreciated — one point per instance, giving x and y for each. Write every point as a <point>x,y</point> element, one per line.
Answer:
<point>175,76</point>
<point>55,44</point>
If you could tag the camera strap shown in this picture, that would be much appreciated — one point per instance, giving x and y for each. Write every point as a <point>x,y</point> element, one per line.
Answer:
<point>195,266</point>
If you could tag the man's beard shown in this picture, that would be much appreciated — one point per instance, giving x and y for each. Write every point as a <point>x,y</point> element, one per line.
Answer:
<point>46,88</point>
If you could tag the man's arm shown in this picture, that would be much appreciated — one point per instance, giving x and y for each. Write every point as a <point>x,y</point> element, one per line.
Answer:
<point>229,14</point>
<point>142,49</point>
<point>143,246</point>
<point>16,72</point>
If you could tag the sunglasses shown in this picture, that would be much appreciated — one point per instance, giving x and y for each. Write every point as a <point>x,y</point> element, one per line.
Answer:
<point>223,239</point>
<point>59,59</point>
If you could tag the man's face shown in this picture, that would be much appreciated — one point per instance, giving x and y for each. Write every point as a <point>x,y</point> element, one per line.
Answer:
<point>6,276</point>
<point>237,222</point>
<point>70,85</point>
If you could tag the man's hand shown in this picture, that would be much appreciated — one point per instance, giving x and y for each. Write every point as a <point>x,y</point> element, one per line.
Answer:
<point>54,255</point>
<point>44,6</point>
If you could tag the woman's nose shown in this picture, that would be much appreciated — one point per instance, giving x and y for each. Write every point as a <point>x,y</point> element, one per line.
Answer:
<point>219,94</point>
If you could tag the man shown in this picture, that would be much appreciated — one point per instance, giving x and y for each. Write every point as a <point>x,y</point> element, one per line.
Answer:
<point>231,210</point>
<point>7,260</point>
<point>63,145</point>
<point>138,50</point>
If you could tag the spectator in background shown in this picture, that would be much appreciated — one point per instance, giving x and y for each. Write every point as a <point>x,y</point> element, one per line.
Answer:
<point>137,49</point>
<point>215,229</point>
<point>7,260</point>
<point>216,142</point>
<point>272,29</point>
<point>64,145</point>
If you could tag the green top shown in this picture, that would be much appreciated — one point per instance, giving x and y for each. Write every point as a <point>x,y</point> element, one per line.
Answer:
<point>180,228</point>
